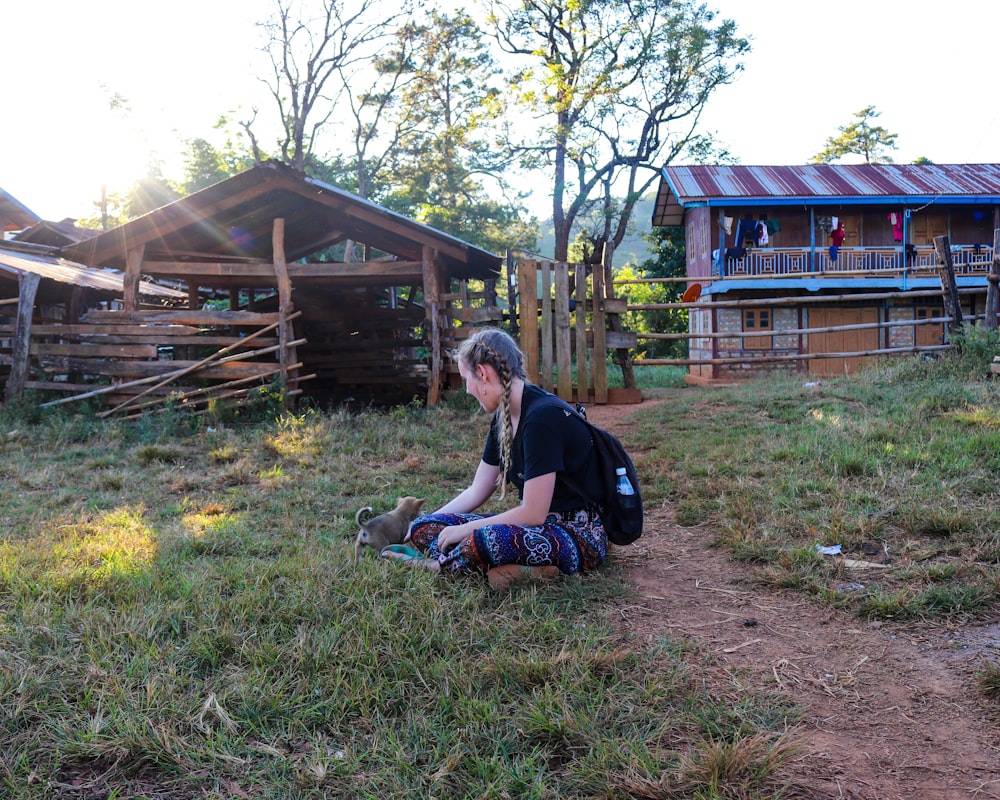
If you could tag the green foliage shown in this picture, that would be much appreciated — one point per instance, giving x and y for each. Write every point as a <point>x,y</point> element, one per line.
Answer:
<point>669,261</point>
<point>444,154</point>
<point>975,348</point>
<point>898,465</point>
<point>605,80</point>
<point>860,138</point>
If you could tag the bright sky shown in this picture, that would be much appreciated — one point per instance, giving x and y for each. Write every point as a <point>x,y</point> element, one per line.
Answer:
<point>929,70</point>
<point>182,64</point>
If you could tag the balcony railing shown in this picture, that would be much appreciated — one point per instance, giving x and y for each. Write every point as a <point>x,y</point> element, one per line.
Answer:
<point>768,262</point>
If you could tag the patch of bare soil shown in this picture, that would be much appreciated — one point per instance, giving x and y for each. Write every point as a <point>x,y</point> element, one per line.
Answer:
<point>889,711</point>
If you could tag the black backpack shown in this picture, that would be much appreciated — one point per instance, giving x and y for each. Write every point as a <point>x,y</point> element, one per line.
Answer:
<point>622,516</point>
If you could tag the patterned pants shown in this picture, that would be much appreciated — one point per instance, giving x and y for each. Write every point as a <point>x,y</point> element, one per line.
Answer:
<point>574,541</point>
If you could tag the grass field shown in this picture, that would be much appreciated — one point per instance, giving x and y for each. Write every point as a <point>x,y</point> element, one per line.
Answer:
<point>180,614</point>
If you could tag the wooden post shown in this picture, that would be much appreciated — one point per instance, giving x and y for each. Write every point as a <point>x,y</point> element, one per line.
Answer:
<point>20,350</point>
<point>286,352</point>
<point>512,281</point>
<point>527,281</point>
<point>564,365</point>
<point>993,285</point>
<point>432,302</point>
<point>545,370</point>
<point>582,375</point>
<point>946,269</point>
<point>130,281</point>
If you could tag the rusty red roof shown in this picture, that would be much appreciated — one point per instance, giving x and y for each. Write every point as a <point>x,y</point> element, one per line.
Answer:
<point>818,184</point>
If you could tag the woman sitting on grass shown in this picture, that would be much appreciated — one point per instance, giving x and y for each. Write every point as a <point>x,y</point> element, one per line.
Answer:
<point>537,442</point>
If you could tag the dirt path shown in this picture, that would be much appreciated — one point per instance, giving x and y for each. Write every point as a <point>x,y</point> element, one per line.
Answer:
<point>889,712</point>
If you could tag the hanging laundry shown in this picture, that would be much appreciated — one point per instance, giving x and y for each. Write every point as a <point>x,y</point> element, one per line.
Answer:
<point>896,220</point>
<point>773,226</point>
<point>740,233</point>
<point>760,234</point>
<point>727,225</point>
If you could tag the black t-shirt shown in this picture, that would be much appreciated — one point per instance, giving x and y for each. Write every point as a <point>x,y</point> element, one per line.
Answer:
<point>550,438</point>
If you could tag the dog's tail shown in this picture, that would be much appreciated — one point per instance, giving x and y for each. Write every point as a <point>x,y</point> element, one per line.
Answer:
<point>361,512</point>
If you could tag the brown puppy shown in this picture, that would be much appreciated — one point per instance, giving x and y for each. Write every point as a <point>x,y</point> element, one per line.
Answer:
<point>388,528</point>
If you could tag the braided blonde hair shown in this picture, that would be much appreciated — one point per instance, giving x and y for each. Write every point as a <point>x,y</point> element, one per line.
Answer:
<point>496,348</point>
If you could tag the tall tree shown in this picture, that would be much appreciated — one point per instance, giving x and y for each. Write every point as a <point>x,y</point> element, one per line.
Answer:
<point>617,87</point>
<point>444,159</point>
<point>310,43</point>
<point>860,138</point>
<point>379,119</point>
<point>205,163</point>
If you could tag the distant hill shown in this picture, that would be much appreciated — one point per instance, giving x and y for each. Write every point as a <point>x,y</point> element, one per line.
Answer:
<point>633,249</point>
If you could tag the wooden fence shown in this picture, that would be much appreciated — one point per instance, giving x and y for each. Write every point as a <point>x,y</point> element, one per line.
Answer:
<point>568,322</point>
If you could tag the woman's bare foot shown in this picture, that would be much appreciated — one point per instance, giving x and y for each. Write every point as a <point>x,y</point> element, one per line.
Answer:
<point>410,556</point>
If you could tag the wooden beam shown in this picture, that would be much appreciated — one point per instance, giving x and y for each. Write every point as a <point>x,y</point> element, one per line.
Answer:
<point>20,350</point>
<point>265,270</point>
<point>582,372</point>
<point>949,289</point>
<point>87,350</point>
<point>130,281</point>
<point>527,306</point>
<point>285,308</point>
<point>432,298</point>
<point>545,368</point>
<point>564,366</point>
<point>184,317</point>
<point>993,285</point>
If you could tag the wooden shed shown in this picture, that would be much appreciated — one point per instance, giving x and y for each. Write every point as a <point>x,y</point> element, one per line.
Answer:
<point>825,267</point>
<point>284,278</point>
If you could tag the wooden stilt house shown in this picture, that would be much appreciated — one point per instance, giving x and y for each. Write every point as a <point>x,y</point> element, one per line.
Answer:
<point>822,268</point>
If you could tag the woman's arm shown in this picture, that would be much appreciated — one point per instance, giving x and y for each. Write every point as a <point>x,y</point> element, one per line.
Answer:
<point>531,512</point>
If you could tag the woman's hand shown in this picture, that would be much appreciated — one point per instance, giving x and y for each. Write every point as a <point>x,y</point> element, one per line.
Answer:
<point>453,535</point>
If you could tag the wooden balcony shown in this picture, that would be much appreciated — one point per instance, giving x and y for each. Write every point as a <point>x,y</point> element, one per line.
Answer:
<point>858,262</point>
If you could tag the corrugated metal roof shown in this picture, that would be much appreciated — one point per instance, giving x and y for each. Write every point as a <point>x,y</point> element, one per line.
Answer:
<point>234,219</point>
<point>14,215</point>
<point>694,184</point>
<point>63,271</point>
